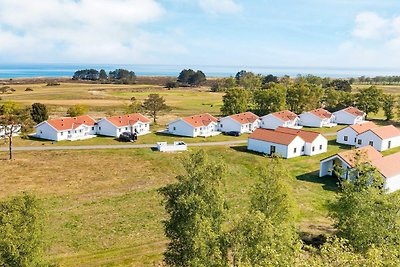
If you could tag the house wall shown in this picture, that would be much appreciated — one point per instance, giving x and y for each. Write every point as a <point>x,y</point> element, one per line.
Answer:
<point>182,128</point>
<point>271,122</point>
<point>351,136</point>
<point>310,120</point>
<point>45,131</point>
<point>228,124</point>
<point>392,183</point>
<point>208,130</point>
<point>342,117</point>
<point>265,147</point>
<point>326,166</point>
<point>292,123</point>
<point>395,142</point>
<point>297,144</point>
<point>106,128</point>
<point>79,133</point>
<point>368,136</point>
<point>320,145</point>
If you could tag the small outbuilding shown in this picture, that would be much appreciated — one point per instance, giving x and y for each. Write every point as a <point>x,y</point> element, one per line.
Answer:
<point>245,122</point>
<point>317,118</point>
<point>349,116</point>
<point>284,118</point>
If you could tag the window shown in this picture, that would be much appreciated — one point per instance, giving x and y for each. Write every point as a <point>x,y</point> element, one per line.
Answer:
<point>80,131</point>
<point>389,144</point>
<point>371,143</point>
<point>345,138</point>
<point>302,149</point>
<point>42,132</point>
<point>92,128</point>
<point>75,131</point>
<point>119,130</point>
<point>359,141</point>
<point>320,147</point>
<point>222,126</point>
<point>272,150</point>
<point>126,128</point>
<point>174,128</point>
<point>99,128</point>
<point>295,150</point>
<point>62,133</point>
<point>313,148</point>
<point>69,132</point>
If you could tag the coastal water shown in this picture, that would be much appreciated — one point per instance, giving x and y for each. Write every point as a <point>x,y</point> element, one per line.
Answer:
<point>67,70</point>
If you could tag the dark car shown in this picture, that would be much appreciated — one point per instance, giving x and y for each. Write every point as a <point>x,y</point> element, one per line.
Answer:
<point>232,133</point>
<point>127,137</point>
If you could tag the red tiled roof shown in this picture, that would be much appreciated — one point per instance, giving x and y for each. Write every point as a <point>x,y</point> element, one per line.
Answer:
<point>285,115</point>
<point>200,120</point>
<point>362,127</point>
<point>385,132</point>
<point>321,113</point>
<point>125,120</point>
<point>367,153</point>
<point>353,111</point>
<point>69,123</point>
<point>307,136</point>
<point>388,166</point>
<point>246,117</point>
<point>272,136</point>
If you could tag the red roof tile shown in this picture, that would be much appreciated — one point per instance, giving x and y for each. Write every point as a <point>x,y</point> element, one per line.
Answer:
<point>321,113</point>
<point>307,136</point>
<point>285,115</point>
<point>69,123</point>
<point>367,153</point>
<point>246,117</point>
<point>272,136</point>
<point>388,166</point>
<point>362,127</point>
<point>126,120</point>
<point>353,111</point>
<point>385,132</point>
<point>200,120</point>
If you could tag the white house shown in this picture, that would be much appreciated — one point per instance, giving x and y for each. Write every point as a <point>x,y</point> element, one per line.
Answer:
<point>317,118</point>
<point>284,118</point>
<point>245,122</point>
<point>203,125</point>
<point>286,142</point>
<point>349,115</point>
<point>75,128</point>
<point>348,135</point>
<point>381,138</point>
<point>388,166</point>
<point>116,125</point>
<point>6,130</point>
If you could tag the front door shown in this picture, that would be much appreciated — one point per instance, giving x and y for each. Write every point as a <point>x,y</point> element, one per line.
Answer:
<point>272,150</point>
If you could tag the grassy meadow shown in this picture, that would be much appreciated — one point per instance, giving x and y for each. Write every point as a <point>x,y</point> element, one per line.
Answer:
<point>102,206</point>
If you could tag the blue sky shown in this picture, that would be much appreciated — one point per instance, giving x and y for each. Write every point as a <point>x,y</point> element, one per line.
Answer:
<point>311,33</point>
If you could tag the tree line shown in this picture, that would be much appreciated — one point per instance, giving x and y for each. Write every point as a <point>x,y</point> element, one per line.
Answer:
<point>266,94</point>
<point>116,76</point>
<point>203,230</point>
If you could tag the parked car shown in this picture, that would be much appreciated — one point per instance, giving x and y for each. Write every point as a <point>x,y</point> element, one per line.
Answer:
<point>127,137</point>
<point>232,133</point>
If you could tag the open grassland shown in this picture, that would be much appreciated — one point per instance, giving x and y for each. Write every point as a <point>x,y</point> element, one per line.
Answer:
<point>103,206</point>
<point>389,89</point>
<point>104,99</point>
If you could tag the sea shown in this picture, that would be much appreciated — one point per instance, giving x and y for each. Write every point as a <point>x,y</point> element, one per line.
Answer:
<point>10,71</point>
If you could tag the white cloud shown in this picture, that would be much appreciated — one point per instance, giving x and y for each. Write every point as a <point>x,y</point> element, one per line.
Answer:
<point>369,25</point>
<point>219,6</point>
<point>96,31</point>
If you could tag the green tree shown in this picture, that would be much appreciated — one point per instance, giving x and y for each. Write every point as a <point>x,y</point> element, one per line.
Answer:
<point>335,100</point>
<point>235,100</point>
<point>154,104</point>
<point>39,112</point>
<point>21,232</point>
<point>266,235</point>
<point>389,105</point>
<point>197,78</point>
<point>135,106</point>
<point>303,96</point>
<point>270,100</point>
<point>196,210</point>
<point>369,99</point>
<point>171,84</point>
<point>224,84</point>
<point>77,110</point>
<point>363,214</point>
<point>14,120</point>
<point>103,75</point>
<point>185,75</point>
<point>249,80</point>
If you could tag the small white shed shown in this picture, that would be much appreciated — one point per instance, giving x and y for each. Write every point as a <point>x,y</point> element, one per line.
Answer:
<point>349,116</point>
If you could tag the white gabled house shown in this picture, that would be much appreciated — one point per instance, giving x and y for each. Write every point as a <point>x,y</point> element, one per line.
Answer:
<point>349,116</point>
<point>6,130</point>
<point>116,125</point>
<point>284,118</point>
<point>203,125</point>
<point>287,142</point>
<point>245,122</point>
<point>69,128</point>
<point>317,118</point>
<point>348,135</point>
<point>388,166</point>
<point>381,138</point>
